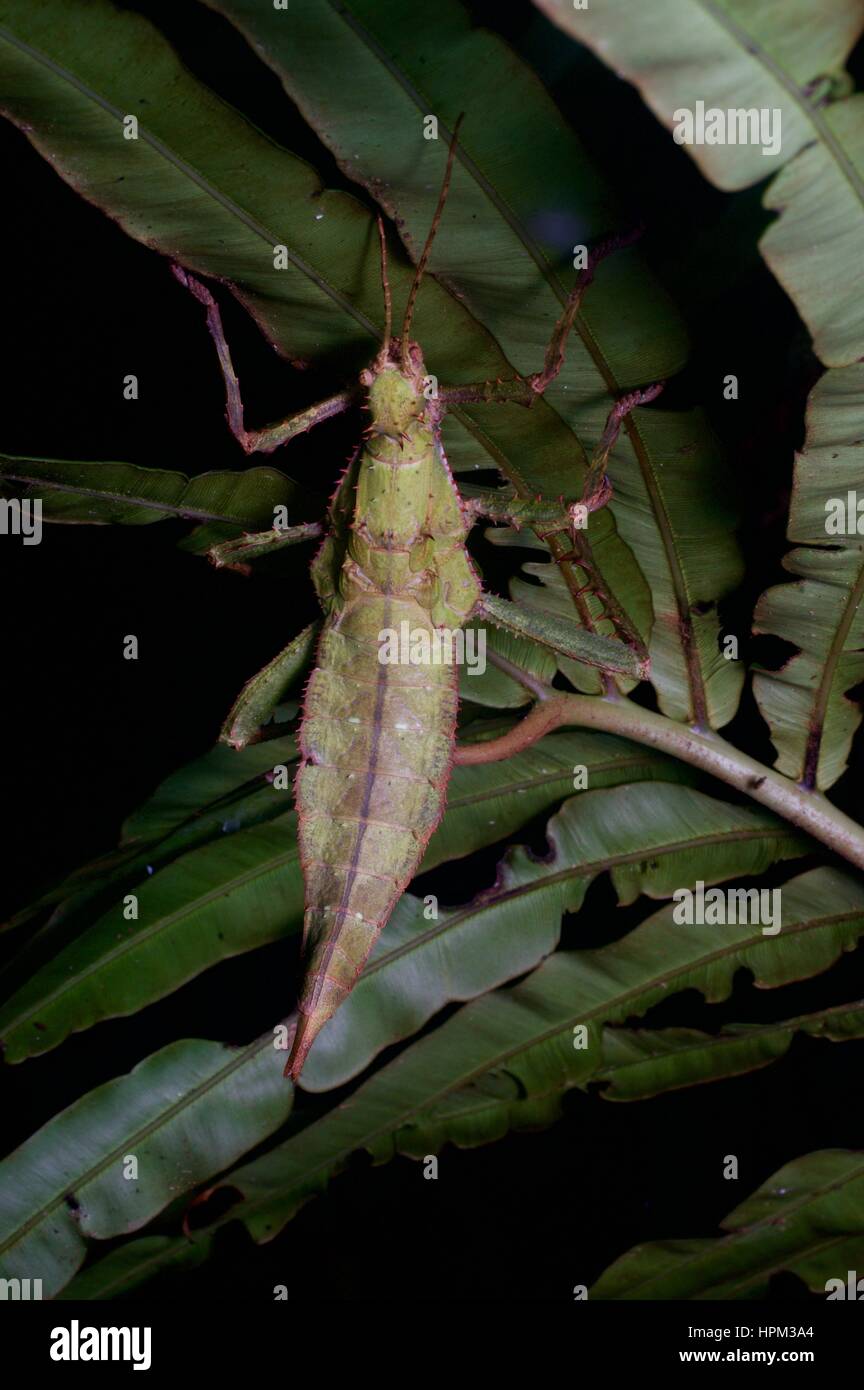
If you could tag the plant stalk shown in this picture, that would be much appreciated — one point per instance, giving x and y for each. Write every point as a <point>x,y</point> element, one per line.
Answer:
<point>809,810</point>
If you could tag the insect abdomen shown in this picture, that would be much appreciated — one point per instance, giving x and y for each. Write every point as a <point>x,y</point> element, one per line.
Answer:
<point>377,743</point>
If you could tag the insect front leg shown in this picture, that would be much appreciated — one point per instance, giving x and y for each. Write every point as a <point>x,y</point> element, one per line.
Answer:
<point>265,440</point>
<point>557,515</point>
<point>523,390</point>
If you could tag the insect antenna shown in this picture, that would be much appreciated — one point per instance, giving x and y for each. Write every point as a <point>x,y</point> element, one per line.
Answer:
<point>385,285</point>
<point>421,264</point>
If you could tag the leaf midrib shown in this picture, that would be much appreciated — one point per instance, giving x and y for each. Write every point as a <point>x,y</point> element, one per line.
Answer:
<point>190,513</point>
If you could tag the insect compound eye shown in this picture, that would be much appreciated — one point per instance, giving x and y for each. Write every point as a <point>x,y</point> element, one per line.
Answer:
<point>416,355</point>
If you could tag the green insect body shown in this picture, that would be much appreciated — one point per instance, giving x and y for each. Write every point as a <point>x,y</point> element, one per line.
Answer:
<point>377,737</point>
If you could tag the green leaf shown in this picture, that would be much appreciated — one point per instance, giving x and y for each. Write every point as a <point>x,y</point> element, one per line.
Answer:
<point>517,171</point>
<point>204,187</point>
<point>132,1264</point>
<point>812,720</point>
<point>510,792</point>
<point>216,902</point>
<point>221,778</point>
<point>806,1219</point>
<point>785,58</point>
<point>639,1063</point>
<point>124,494</point>
<point>184,1113</point>
<point>504,1061</point>
<point>246,891</point>
<point>214,795</point>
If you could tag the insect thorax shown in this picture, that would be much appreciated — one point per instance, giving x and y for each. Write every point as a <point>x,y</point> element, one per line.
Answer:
<point>408,530</point>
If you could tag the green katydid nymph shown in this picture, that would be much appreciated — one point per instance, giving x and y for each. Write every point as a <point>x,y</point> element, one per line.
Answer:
<point>377,738</point>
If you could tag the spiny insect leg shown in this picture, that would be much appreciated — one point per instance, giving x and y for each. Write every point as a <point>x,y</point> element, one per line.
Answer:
<point>560,515</point>
<point>234,554</point>
<point>597,489</point>
<point>265,440</point>
<point>518,390</point>
<point>554,359</point>
<point>556,516</point>
<point>262,695</point>
<point>563,636</point>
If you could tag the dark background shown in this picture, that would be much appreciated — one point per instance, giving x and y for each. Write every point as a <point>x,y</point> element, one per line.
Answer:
<point>87,735</point>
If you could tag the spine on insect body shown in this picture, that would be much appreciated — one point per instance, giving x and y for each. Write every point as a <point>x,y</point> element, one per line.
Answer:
<point>377,732</point>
